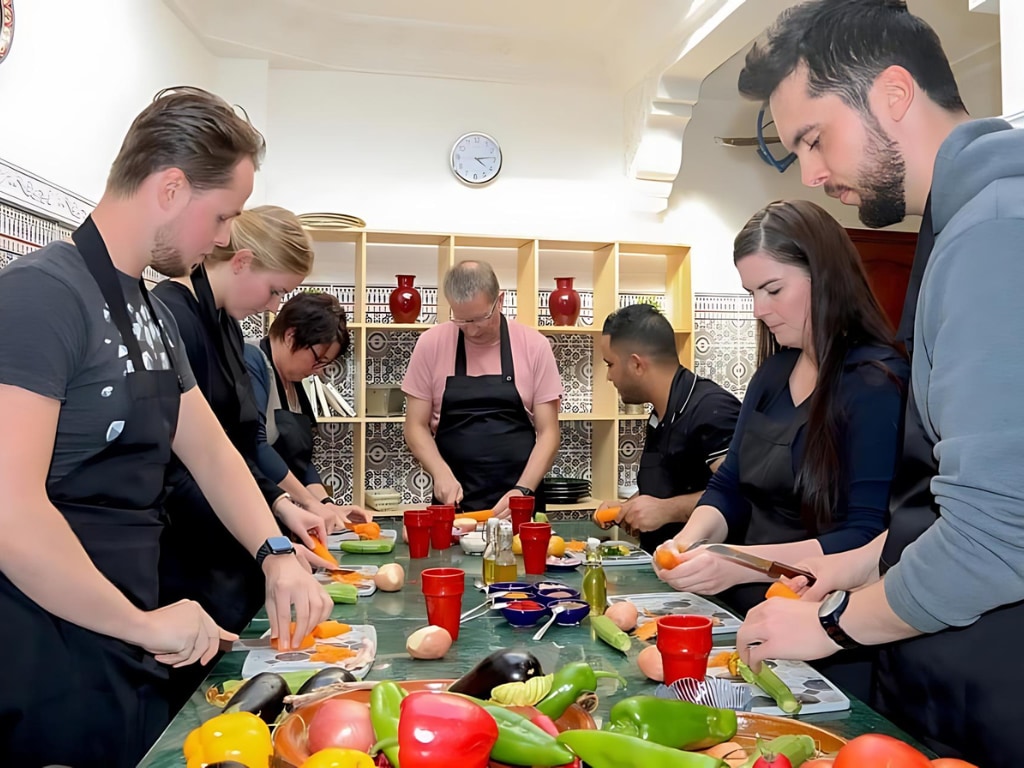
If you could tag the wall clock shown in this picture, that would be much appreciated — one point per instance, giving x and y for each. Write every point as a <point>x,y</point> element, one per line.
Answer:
<point>476,158</point>
<point>6,27</point>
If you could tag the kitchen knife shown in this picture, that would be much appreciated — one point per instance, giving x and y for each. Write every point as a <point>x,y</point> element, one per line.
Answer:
<point>769,567</point>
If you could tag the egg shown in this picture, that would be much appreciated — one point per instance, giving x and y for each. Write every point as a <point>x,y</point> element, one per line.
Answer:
<point>650,663</point>
<point>623,615</point>
<point>428,643</point>
<point>390,577</point>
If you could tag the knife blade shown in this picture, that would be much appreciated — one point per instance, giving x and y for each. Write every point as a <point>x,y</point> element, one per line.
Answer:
<point>770,567</point>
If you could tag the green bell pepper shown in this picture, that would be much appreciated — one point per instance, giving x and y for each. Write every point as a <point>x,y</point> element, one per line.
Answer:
<point>520,742</point>
<point>602,749</point>
<point>568,684</point>
<point>385,707</point>
<point>671,723</point>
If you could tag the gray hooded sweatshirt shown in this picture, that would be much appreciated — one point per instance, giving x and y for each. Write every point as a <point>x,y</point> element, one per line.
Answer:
<point>968,379</point>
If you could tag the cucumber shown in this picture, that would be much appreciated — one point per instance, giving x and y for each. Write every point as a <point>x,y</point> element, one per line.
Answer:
<point>611,634</point>
<point>772,684</point>
<point>342,593</point>
<point>368,546</point>
<point>798,749</point>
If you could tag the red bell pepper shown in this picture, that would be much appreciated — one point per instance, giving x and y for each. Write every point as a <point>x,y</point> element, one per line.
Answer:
<point>439,730</point>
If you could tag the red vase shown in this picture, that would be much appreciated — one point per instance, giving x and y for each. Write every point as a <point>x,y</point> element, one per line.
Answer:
<point>564,302</point>
<point>404,302</point>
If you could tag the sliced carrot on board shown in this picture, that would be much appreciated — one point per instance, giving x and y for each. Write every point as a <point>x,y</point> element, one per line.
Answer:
<point>720,659</point>
<point>331,654</point>
<point>646,631</point>
<point>307,641</point>
<point>666,559</point>
<point>605,516</point>
<point>326,629</point>
<point>778,589</point>
<point>320,550</point>
<point>369,531</point>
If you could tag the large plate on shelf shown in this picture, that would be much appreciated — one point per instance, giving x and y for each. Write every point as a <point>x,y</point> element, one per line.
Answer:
<point>654,604</point>
<point>361,636</point>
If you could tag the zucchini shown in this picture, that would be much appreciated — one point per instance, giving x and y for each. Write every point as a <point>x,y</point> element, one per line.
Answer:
<point>367,546</point>
<point>772,684</point>
<point>611,634</point>
<point>342,593</point>
<point>798,749</point>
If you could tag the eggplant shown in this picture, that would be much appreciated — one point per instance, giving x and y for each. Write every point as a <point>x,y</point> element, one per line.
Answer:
<point>504,666</point>
<point>325,677</point>
<point>263,695</point>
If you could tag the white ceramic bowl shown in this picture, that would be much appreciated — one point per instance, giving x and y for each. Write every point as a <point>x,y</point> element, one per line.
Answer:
<point>472,543</point>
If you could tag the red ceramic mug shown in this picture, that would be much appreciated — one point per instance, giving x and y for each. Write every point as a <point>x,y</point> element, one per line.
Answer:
<point>443,588</point>
<point>685,644</point>
<point>443,519</point>
<point>535,538</point>
<point>521,511</point>
<point>417,528</point>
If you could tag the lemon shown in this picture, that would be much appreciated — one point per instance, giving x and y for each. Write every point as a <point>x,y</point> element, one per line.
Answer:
<point>556,546</point>
<point>517,545</point>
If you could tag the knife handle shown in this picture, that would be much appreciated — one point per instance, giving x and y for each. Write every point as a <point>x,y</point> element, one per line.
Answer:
<point>791,572</point>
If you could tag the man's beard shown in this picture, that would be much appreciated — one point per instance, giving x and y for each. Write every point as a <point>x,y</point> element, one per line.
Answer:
<point>881,184</point>
<point>165,258</point>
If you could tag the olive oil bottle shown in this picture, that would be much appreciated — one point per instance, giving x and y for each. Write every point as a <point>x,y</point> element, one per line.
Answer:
<point>491,531</point>
<point>505,561</point>
<point>595,583</point>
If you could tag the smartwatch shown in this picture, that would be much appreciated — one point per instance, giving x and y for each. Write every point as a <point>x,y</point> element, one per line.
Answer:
<point>523,490</point>
<point>829,612</point>
<point>275,545</point>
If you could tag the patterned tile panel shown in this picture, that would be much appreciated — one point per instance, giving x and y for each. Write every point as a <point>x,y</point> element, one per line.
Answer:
<point>574,453</point>
<point>574,355</point>
<point>631,445</point>
<point>333,457</point>
<point>389,464</point>
<point>725,340</point>
<point>388,354</point>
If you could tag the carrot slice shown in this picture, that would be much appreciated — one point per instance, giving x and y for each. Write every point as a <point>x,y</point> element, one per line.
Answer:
<point>646,631</point>
<point>320,550</point>
<point>326,629</point>
<point>307,641</point>
<point>720,659</point>
<point>331,654</point>
<point>778,589</point>
<point>369,531</point>
<point>608,515</point>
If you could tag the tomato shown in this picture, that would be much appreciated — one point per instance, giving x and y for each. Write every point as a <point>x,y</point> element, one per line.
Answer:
<point>874,750</point>
<point>341,723</point>
<point>951,762</point>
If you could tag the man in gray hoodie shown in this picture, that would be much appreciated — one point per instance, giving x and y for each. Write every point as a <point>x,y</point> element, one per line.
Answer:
<point>862,92</point>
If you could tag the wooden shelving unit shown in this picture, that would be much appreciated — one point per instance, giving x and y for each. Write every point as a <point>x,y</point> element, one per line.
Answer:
<point>429,256</point>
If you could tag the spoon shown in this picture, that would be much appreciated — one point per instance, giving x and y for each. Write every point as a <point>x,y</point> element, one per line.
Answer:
<point>554,615</point>
<point>496,607</point>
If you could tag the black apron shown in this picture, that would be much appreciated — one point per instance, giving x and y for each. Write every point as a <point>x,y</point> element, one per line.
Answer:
<point>484,433</point>
<point>657,475</point>
<point>72,696</point>
<point>295,430</point>
<point>956,690</point>
<point>201,559</point>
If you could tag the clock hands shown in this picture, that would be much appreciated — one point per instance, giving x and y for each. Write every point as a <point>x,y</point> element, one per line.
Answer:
<point>481,160</point>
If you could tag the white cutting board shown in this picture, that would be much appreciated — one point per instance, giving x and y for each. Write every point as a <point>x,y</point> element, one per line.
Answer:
<point>270,660</point>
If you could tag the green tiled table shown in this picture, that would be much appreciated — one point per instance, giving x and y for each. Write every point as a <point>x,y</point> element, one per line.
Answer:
<point>395,615</point>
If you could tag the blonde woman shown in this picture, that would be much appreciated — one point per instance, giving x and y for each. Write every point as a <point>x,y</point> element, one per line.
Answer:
<point>268,255</point>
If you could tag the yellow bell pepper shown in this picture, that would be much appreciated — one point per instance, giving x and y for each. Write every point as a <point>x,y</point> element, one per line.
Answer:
<point>339,758</point>
<point>238,736</point>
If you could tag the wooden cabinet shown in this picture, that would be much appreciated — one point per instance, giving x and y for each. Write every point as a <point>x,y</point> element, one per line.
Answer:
<point>525,268</point>
<point>888,258</point>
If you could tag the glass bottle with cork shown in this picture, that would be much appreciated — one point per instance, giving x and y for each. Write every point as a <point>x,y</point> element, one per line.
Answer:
<point>505,561</point>
<point>491,531</point>
<point>595,582</point>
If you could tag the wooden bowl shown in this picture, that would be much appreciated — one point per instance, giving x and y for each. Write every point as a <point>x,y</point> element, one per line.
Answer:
<point>290,749</point>
<point>752,725</point>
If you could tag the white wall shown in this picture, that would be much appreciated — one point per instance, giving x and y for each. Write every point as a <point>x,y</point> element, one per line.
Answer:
<point>78,73</point>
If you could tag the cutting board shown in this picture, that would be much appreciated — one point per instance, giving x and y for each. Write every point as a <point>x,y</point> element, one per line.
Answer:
<point>667,603</point>
<point>270,660</point>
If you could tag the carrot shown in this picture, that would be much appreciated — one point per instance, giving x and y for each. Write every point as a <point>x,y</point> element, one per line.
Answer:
<point>307,641</point>
<point>320,550</point>
<point>666,559</point>
<point>720,659</point>
<point>331,654</point>
<point>369,531</point>
<point>480,516</point>
<point>326,629</point>
<point>605,516</point>
<point>778,589</point>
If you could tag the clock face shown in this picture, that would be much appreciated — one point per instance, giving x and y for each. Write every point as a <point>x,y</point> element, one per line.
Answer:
<point>476,158</point>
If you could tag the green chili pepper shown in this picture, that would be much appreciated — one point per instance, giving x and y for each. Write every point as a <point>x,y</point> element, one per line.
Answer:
<point>520,742</point>
<point>385,707</point>
<point>601,749</point>
<point>569,682</point>
<point>672,723</point>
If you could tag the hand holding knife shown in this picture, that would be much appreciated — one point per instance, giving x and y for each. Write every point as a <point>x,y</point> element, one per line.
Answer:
<point>769,567</point>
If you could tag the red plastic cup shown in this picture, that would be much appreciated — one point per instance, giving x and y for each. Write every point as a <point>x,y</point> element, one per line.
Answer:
<point>521,508</point>
<point>417,527</point>
<point>535,538</point>
<point>685,643</point>
<point>441,527</point>
<point>443,588</point>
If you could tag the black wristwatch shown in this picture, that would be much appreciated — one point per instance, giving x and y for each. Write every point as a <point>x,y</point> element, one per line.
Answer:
<point>275,545</point>
<point>523,490</point>
<point>828,614</point>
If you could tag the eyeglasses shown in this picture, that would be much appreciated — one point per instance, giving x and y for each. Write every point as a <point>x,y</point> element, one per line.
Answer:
<point>320,361</point>
<point>477,320</point>
<point>762,147</point>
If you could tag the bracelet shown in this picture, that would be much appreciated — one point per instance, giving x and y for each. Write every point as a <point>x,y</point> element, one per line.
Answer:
<point>273,504</point>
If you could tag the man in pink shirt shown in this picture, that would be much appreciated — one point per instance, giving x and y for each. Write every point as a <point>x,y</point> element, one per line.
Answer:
<point>482,397</point>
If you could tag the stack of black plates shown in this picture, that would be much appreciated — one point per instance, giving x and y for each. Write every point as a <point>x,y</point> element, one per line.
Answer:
<point>565,490</point>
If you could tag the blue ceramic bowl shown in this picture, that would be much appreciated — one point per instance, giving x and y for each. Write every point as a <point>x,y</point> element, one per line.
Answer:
<point>548,596</point>
<point>511,586</point>
<point>519,614</point>
<point>577,612</point>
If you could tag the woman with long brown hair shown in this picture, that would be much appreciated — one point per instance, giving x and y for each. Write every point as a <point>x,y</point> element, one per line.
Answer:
<point>816,444</point>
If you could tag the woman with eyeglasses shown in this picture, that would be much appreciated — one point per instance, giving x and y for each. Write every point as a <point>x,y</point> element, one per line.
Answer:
<point>308,334</point>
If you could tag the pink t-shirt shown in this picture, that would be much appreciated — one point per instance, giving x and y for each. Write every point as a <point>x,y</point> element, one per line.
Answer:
<point>433,361</point>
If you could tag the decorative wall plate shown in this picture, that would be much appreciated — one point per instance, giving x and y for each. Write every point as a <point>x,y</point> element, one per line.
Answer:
<point>6,27</point>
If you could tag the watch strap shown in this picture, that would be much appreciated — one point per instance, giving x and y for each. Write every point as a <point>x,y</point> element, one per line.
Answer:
<point>266,550</point>
<point>830,623</point>
<point>523,490</point>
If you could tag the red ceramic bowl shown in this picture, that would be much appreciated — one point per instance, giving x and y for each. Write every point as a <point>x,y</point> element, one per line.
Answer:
<point>290,749</point>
